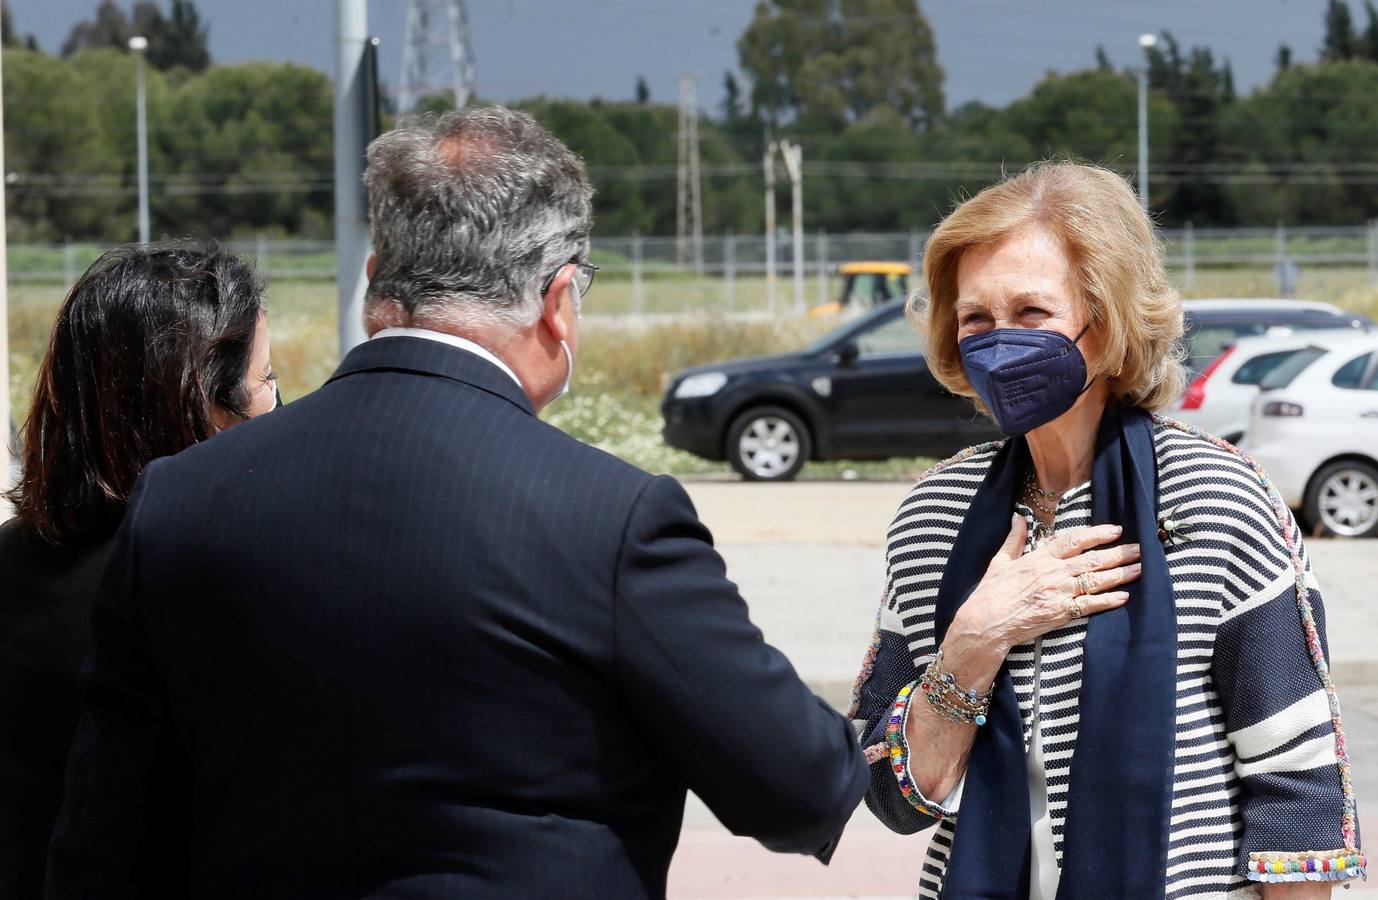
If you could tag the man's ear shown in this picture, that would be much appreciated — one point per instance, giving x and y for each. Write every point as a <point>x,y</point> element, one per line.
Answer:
<point>556,299</point>
<point>371,266</point>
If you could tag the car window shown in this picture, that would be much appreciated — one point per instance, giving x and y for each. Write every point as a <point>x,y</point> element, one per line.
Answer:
<point>1253,371</point>
<point>1287,371</point>
<point>895,336</point>
<point>1211,339</point>
<point>1351,373</point>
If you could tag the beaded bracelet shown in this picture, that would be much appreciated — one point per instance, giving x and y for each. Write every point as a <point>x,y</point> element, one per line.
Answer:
<point>949,700</point>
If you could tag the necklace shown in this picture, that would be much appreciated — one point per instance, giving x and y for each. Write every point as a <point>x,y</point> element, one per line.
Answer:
<point>1034,496</point>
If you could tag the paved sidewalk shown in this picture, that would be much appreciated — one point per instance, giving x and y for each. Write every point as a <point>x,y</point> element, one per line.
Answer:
<point>810,562</point>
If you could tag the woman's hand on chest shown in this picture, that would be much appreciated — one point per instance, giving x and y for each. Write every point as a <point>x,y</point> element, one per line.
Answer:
<point>1025,595</point>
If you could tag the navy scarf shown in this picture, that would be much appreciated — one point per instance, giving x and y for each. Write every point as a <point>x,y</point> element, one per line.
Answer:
<point>1120,795</point>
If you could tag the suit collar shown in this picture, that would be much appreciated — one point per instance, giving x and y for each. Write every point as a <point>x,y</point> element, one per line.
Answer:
<point>428,357</point>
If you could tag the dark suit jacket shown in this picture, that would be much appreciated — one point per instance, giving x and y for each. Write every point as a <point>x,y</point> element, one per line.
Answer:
<point>45,612</point>
<point>414,642</point>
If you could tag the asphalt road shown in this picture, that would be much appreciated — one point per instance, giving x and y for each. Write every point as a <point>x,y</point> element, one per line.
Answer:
<point>809,559</point>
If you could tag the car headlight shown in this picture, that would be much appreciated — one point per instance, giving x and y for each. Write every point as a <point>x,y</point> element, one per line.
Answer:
<point>705,385</point>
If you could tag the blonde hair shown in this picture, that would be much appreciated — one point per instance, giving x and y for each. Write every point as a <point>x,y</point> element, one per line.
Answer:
<point>1117,266</point>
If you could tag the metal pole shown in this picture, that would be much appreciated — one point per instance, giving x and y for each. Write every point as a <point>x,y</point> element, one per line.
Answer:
<point>1189,247</point>
<point>1372,252</point>
<point>729,262</point>
<point>794,166</point>
<point>69,263</point>
<point>140,44</point>
<point>4,323</point>
<point>915,249</point>
<point>822,259</point>
<point>1146,41</point>
<point>1143,137</point>
<point>769,164</point>
<point>638,294</point>
<point>351,214</point>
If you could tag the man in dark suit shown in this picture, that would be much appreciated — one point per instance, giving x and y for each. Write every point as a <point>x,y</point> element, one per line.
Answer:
<point>401,638</point>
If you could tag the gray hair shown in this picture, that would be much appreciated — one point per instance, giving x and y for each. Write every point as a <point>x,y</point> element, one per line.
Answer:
<point>472,211</point>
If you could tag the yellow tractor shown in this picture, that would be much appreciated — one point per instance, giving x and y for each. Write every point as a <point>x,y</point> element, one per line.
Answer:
<point>866,285</point>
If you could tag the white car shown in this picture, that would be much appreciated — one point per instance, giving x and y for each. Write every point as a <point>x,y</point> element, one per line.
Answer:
<point>1314,428</point>
<point>1213,325</point>
<point>1218,399</point>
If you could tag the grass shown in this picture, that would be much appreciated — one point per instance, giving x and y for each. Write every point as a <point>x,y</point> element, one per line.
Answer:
<point>624,360</point>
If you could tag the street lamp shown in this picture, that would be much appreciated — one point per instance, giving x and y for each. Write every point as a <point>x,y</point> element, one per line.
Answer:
<point>139,44</point>
<point>1146,41</point>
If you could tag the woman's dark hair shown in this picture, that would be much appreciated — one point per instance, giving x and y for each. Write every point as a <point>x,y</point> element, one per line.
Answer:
<point>150,342</point>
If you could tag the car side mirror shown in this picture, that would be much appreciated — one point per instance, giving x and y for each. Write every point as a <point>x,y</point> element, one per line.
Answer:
<point>847,355</point>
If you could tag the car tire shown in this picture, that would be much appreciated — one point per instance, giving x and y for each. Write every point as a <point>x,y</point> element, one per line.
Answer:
<point>1342,499</point>
<point>768,443</point>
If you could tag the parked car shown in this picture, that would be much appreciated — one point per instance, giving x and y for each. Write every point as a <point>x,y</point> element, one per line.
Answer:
<point>1314,428</point>
<point>1219,398</point>
<point>1213,325</point>
<point>864,391</point>
<point>861,392</point>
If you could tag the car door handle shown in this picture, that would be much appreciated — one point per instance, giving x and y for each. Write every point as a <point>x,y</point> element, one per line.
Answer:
<point>1371,414</point>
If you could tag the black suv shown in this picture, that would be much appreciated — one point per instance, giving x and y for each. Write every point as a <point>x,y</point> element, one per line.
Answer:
<point>865,392</point>
<point>861,392</point>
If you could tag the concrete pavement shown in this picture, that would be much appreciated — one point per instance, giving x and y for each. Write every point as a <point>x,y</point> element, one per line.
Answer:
<point>809,559</point>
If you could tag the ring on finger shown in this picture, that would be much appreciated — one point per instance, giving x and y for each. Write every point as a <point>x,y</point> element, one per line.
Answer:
<point>1074,607</point>
<point>1083,584</point>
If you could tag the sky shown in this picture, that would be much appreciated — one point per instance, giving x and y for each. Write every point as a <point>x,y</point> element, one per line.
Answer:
<point>991,50</point>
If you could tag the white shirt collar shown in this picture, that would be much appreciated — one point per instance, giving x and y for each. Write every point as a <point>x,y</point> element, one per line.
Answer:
<point>454,341</point>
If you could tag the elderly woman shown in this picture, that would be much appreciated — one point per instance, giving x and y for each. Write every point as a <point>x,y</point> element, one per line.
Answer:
<point>1100,663</point>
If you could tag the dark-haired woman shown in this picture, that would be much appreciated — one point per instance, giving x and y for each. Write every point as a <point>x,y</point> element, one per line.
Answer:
<point>154,349</point>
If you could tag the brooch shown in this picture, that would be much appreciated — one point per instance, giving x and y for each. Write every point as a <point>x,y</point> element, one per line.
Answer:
<point>1172,531</point>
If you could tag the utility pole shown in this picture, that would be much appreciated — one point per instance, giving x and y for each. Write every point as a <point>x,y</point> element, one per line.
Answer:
<point>1146,41</point>
<point>351,134</point>
<point>438,39</point>
<point>689,201</point>
<point>139,44</point>
<point>793,156</point>
<point>769,167</point>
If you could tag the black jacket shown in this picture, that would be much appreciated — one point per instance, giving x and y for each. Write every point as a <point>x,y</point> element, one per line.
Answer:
<point>45,612</point>
<point>413,642</point>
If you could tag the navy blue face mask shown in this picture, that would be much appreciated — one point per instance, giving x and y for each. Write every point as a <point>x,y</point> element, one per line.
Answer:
<point>1027,377</point>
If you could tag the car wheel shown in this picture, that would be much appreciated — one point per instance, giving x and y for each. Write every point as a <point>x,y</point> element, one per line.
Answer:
<point>768,443</point>
<point>1342,499</point>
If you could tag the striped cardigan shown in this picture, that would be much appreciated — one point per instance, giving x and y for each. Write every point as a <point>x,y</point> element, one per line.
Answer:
<point>1261,777</point>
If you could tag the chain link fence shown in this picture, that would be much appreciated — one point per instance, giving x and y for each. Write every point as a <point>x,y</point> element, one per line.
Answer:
<point>732,274</point>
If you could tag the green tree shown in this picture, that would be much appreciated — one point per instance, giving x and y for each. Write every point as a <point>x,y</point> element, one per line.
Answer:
<point>830,62</point>
<point>1298,139</point>
<point>731,106</point>
<point>1198,91</point>
<point>1340,41</point>
<point>178,40</point>
<point>1088,115</point>
<point>108,28</point>
<point>250,150</point>
<point>67,174</point>
<point>9,37</point>
<point>1368,41</point>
